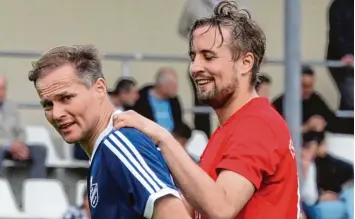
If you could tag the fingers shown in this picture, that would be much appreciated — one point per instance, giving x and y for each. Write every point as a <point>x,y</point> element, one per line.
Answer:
<point>125,119</point>
<point>23,152</point>
<point>120,124</point>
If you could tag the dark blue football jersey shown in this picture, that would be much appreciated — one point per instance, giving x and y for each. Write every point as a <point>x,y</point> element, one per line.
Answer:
<point>127,175</point>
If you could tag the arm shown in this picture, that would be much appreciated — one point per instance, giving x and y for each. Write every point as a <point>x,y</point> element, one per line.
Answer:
<point>139,169</point>
<point>240,173</point>
<point>18,129</point>
<point>13,126</point>
<point>327,114</point>
<point>309,191</point>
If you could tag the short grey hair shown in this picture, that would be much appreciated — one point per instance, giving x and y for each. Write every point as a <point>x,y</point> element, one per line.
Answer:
<point>84,58</point>
<point>162,73</point>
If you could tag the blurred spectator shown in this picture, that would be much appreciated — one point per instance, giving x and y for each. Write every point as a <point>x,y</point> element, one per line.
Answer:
<point>13,137</point>
<point>125,94</point>
<point>317,116</point>
<point>160,102</point>
<point>335,184</point>
<point>182,133</point>
<point>341,47</point>
<point>79,212</point>
<point>262,86</point>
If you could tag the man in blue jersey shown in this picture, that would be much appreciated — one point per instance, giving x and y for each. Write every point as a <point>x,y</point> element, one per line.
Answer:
<point>128,175</point>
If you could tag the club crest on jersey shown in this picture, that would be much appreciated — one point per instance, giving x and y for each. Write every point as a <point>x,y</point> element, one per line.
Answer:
<point>94,194</point>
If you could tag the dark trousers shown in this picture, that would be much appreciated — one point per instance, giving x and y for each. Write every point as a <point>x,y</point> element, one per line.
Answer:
<point>202,121</point>
<point>344,80</point>
<point>36,161</point>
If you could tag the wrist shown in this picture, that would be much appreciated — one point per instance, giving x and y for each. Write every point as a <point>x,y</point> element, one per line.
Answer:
<point>164,138</point>
<point>305,128</point>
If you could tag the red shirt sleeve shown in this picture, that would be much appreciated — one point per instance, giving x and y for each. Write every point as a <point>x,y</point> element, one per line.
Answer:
<point>251,151</point>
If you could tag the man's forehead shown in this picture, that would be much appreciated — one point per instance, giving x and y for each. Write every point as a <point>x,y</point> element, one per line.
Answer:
<point>56,88</point>
<point>209,37</point>
<point>64,75</point>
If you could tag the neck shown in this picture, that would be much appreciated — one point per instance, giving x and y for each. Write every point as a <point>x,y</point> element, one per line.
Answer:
<point>105,117</point>
<point>157,94</point>
<point>238,100</point>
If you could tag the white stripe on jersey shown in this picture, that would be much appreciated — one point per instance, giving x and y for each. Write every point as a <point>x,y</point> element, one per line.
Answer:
<point>133,161</point>
<point>140,158</point>
<point>129,166</point>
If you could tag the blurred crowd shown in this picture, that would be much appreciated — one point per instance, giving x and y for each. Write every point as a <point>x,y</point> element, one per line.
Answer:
<point>327,189</point>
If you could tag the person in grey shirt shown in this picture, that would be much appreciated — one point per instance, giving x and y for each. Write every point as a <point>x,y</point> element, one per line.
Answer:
<point>13,138</point>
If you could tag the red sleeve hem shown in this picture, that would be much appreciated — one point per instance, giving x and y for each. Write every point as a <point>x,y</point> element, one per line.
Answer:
<point>242,169</point>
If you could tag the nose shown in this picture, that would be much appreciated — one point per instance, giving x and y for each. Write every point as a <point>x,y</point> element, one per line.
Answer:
<point>58,112</point>
<point>195,68</point>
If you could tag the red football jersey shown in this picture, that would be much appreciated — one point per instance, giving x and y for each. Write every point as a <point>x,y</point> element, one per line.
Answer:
<point>255,142</point>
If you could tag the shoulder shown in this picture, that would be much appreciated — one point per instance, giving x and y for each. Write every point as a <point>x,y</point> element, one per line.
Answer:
<point>266,129</point>
<point>131,135</point>
<point>128,140</point>
<point>145,89</point>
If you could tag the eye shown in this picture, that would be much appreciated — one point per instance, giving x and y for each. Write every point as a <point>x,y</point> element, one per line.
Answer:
<point>209,57</point>
<point>47,107</point>
<point>66,98</point>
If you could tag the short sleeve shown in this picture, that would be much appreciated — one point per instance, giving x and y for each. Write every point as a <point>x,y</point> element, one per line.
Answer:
<point>138,168</point>
<point>251,151</point>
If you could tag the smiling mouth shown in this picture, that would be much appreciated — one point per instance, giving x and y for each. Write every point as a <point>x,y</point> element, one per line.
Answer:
<point>202,82</point>
<point>66,125</point>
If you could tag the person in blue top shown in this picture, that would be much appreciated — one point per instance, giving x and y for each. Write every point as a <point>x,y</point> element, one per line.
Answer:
<point>128,175</point>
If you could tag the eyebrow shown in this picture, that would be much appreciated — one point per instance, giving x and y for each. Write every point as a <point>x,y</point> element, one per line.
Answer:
<point>46,102</point>
<point>204,51</point>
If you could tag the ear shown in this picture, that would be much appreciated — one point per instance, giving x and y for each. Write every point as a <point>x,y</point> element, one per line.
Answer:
<point>247,63</point>
<point>100,87</point>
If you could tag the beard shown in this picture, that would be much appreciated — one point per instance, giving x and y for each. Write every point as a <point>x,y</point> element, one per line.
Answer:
<point>217,97</point>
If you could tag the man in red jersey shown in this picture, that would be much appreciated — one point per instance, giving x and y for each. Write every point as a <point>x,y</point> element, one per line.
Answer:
<point>248,169</point>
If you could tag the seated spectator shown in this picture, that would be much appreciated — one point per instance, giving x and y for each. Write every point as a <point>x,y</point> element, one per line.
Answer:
<point>262,86</point>
<point>182,133</point>
<point>79,212</point>
<point>13,137</point>
<point>125,94</point>
<point>335,185</point>
<point>316,115</point>
<point>160,102</point>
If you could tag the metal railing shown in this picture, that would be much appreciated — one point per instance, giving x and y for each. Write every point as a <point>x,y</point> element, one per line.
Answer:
<point>128,58</point>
